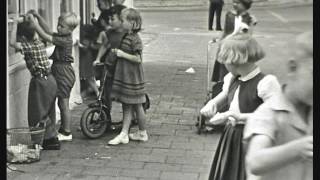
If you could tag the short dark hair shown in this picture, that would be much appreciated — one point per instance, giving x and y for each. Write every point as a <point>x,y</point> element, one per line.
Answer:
<point>26,29</point>
<point>116,9</point>
<point>246,3</point>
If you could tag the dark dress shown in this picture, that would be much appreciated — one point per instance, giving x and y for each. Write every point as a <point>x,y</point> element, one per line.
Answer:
<point>128,83</point>
<point>229,159</point>
<point>219,70</point>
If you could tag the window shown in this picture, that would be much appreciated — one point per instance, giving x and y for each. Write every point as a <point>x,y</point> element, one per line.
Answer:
<point>48,9</point>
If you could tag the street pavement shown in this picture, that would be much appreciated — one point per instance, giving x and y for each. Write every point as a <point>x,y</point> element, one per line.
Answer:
<point>174,41</point>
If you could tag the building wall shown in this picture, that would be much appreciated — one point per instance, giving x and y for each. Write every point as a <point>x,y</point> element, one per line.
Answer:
<point>18,76</point>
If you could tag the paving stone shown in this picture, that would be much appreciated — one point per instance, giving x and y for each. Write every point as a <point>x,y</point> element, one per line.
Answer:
<point>101,171</point>
<point>149,158</point>
<point>196,168</point>
<point>162,166</point>
<point>144,173</point>
<point>187,146</point>
<point>178,176</point>
<point>183,160</point>
<point>125,164</point>
<point>36,176</point>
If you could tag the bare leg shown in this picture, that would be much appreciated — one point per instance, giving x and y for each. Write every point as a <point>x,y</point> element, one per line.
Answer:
<point>63,104</point>
<point>140,115</point>
<point>127,116</point>
<point>93,85</point>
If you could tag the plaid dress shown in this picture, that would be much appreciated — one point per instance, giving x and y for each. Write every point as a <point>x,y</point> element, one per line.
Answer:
<point>128,84</point>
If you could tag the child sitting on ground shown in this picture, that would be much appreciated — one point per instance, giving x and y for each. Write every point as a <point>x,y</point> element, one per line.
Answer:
<point>62,58</point>
<point>280,132</point>
<point>244,89</point>
<point>42,86</point>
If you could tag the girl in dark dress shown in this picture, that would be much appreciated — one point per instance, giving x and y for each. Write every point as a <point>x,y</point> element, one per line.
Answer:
<point>244,89</point>
<point>233,18</point>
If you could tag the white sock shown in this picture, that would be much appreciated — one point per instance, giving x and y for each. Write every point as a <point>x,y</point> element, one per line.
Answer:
<point>122,134</point>
<point>144,132</point>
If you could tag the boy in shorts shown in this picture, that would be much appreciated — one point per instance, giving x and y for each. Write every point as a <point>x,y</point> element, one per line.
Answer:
<point>62,58</point>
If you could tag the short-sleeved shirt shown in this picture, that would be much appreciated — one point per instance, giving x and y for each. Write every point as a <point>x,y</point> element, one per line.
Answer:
<point>36,57</point>
<point>266,88</point>
<point>63,49</point>
<point>278,120</point>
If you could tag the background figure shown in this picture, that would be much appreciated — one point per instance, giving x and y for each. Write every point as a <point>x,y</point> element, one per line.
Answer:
<point>87,37</point>
<point>215,7</point>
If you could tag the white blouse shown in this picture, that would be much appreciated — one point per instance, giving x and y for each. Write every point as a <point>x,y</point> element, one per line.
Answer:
<point>267,87</point>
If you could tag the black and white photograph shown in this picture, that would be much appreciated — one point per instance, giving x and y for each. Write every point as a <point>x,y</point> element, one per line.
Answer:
<point>159,89</point>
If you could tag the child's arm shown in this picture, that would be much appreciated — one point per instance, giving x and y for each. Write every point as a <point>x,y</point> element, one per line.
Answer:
<point>211,107</point>
<point>136,58</point>
<point>13,37</point>
<point>41,21</point>
<point>263,158</point>
<point>40,31</point>
<point>102,50</point>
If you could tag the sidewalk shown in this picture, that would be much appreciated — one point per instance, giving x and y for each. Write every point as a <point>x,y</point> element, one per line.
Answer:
<point>174,150</point>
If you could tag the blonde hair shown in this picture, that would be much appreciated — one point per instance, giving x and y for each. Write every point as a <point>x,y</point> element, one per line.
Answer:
<point>305,41</point>
<point>71,19</point>
<point>240,49</point>
<point>134,17</point>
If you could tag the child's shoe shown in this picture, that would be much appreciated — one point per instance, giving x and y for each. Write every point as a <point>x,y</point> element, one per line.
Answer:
<point>64,136</point>
<point>51,144</point>
<point>122,138</point>
<point>139,136</point>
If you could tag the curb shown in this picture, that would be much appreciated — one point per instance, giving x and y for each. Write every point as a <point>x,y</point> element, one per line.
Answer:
<point>258,5</point>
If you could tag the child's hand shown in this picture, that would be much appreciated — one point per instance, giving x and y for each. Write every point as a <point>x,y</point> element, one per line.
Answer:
<point>209,109</point>
<point>33,12</point>
<point>304,146</point>
<point>30,18</point>
<point>97,61</point>
<point>117,52</point>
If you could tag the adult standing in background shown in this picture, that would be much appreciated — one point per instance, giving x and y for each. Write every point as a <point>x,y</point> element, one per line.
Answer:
<point>215,7</point>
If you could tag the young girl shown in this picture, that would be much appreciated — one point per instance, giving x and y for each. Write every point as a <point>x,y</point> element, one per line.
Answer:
<point>244,89</point>
<point>234,22</point>
<point>128,83</point>
<point>280,132</point>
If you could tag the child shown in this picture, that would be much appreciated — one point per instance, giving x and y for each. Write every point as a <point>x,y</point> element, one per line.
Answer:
<point>128,83</point>
<point>244,89</point>
<point>234,20</point>
<point>43,86</point>
<point>87,56</point>
<point>62,69</point>
<point>104,7</point>
<point>113,40</point>
<point>280,132</point>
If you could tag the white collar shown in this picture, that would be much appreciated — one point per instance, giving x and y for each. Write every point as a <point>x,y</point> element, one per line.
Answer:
<point>251,75</point>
